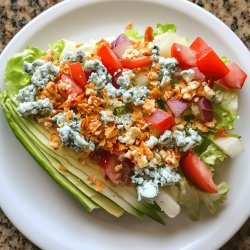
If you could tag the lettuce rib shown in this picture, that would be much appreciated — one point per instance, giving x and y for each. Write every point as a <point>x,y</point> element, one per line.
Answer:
<point>45,164</point>
<point>36,137</point>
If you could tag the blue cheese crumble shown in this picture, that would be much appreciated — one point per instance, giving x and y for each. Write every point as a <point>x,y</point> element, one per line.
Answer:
<point>111,91</point>
<point>74,56</point>
<point>32,108</point>
<point>100,75</point>
<point>26,94</point>
<point>74,140</point>
<point>168,66</point>
<point>30,68</point>
<point>151,142</point>
<point>43,74</point>
<point>69,132</point>
<point>155,53</point>
<point>130,137</point>
<point>188,75</point>
<point>165,138</point>
<point>107,116</point>
<point>135,95</point>
<point>121,121</point>
<point>125,79</point>
<point>180,138</point>
<point>60,120</point>
<point>185,140</point>
<point>149,180</point>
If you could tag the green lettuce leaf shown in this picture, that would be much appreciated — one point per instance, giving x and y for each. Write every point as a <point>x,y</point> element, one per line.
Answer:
<point>213,155</point>
<point>189,198</point>
<point>57,47</point>
<point>226,111</point>
<point>225,59</point>
<point>214,201</point>
<point>15,77</point>
<point>133,34</point>
<point>159,30</point>
<point>163,28</point>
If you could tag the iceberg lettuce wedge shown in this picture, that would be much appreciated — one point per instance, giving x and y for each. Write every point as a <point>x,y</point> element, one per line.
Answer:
<point>45,163</point>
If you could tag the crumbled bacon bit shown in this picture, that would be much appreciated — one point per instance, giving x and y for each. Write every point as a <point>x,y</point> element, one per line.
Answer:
<point>154,83</point>
<point>199,125</point>
<point>211,124</point>
<point>62,168</point>
<point>149,34</point>
<point>152,75</point>
<point>111,132</point>
<point>149,106</point>
<point>171,158</point>
<point>118,168</point>
<point>55,141</point>
<point>155,93</point>
<point>68,115</point>
<point>45,121</point>
<point>99,185</point>
<point>129,26</point>
<point>220,132</point>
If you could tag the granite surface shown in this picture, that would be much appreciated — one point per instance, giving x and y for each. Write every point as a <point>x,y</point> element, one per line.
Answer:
<point>14,14</point>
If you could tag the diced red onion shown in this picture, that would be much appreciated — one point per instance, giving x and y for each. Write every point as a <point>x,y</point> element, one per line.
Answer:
<point>177,106</point>
<point>120,39</point>
<point>120,45</point>
<point>198,75</point>
<point>206,110</point>
<point>114,81</point>
<point>87,74</point>
<point>177,74</point>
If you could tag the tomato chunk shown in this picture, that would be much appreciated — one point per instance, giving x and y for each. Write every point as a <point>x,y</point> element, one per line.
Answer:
<point>138,62</point>
<point>197,172</point>
<point>161,120</point>
<point>109,162</point>
<point>235,79</point>
<point>211,65</point>
<point>199,45</point>
<point>77,74</point>
<point>109,58</point>
<point>72,89</point>
<point>184,55</point>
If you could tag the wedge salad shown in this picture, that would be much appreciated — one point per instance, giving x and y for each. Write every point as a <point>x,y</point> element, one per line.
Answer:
<point>136,123</point>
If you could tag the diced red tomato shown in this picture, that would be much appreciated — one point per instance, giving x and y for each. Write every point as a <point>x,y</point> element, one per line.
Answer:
<point>109,161</point>
<point>161,120</point>
<point>109,58</point>
<point>199,45</point>
<point>138,62</point>
<point>127,169</point>
<point>77,74</point>
<point>184,55</point>
<point>74,90</point>
<point>116,150</point>
<point>98,155</point>
<point>197,172</point>
<point>211,65</point>
<point>235,79</point>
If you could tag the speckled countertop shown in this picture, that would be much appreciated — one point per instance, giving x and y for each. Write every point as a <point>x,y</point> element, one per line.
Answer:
<point>14,14</point>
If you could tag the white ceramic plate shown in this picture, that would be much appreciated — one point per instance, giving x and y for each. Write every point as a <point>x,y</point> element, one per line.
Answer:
<point>47,214</point>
